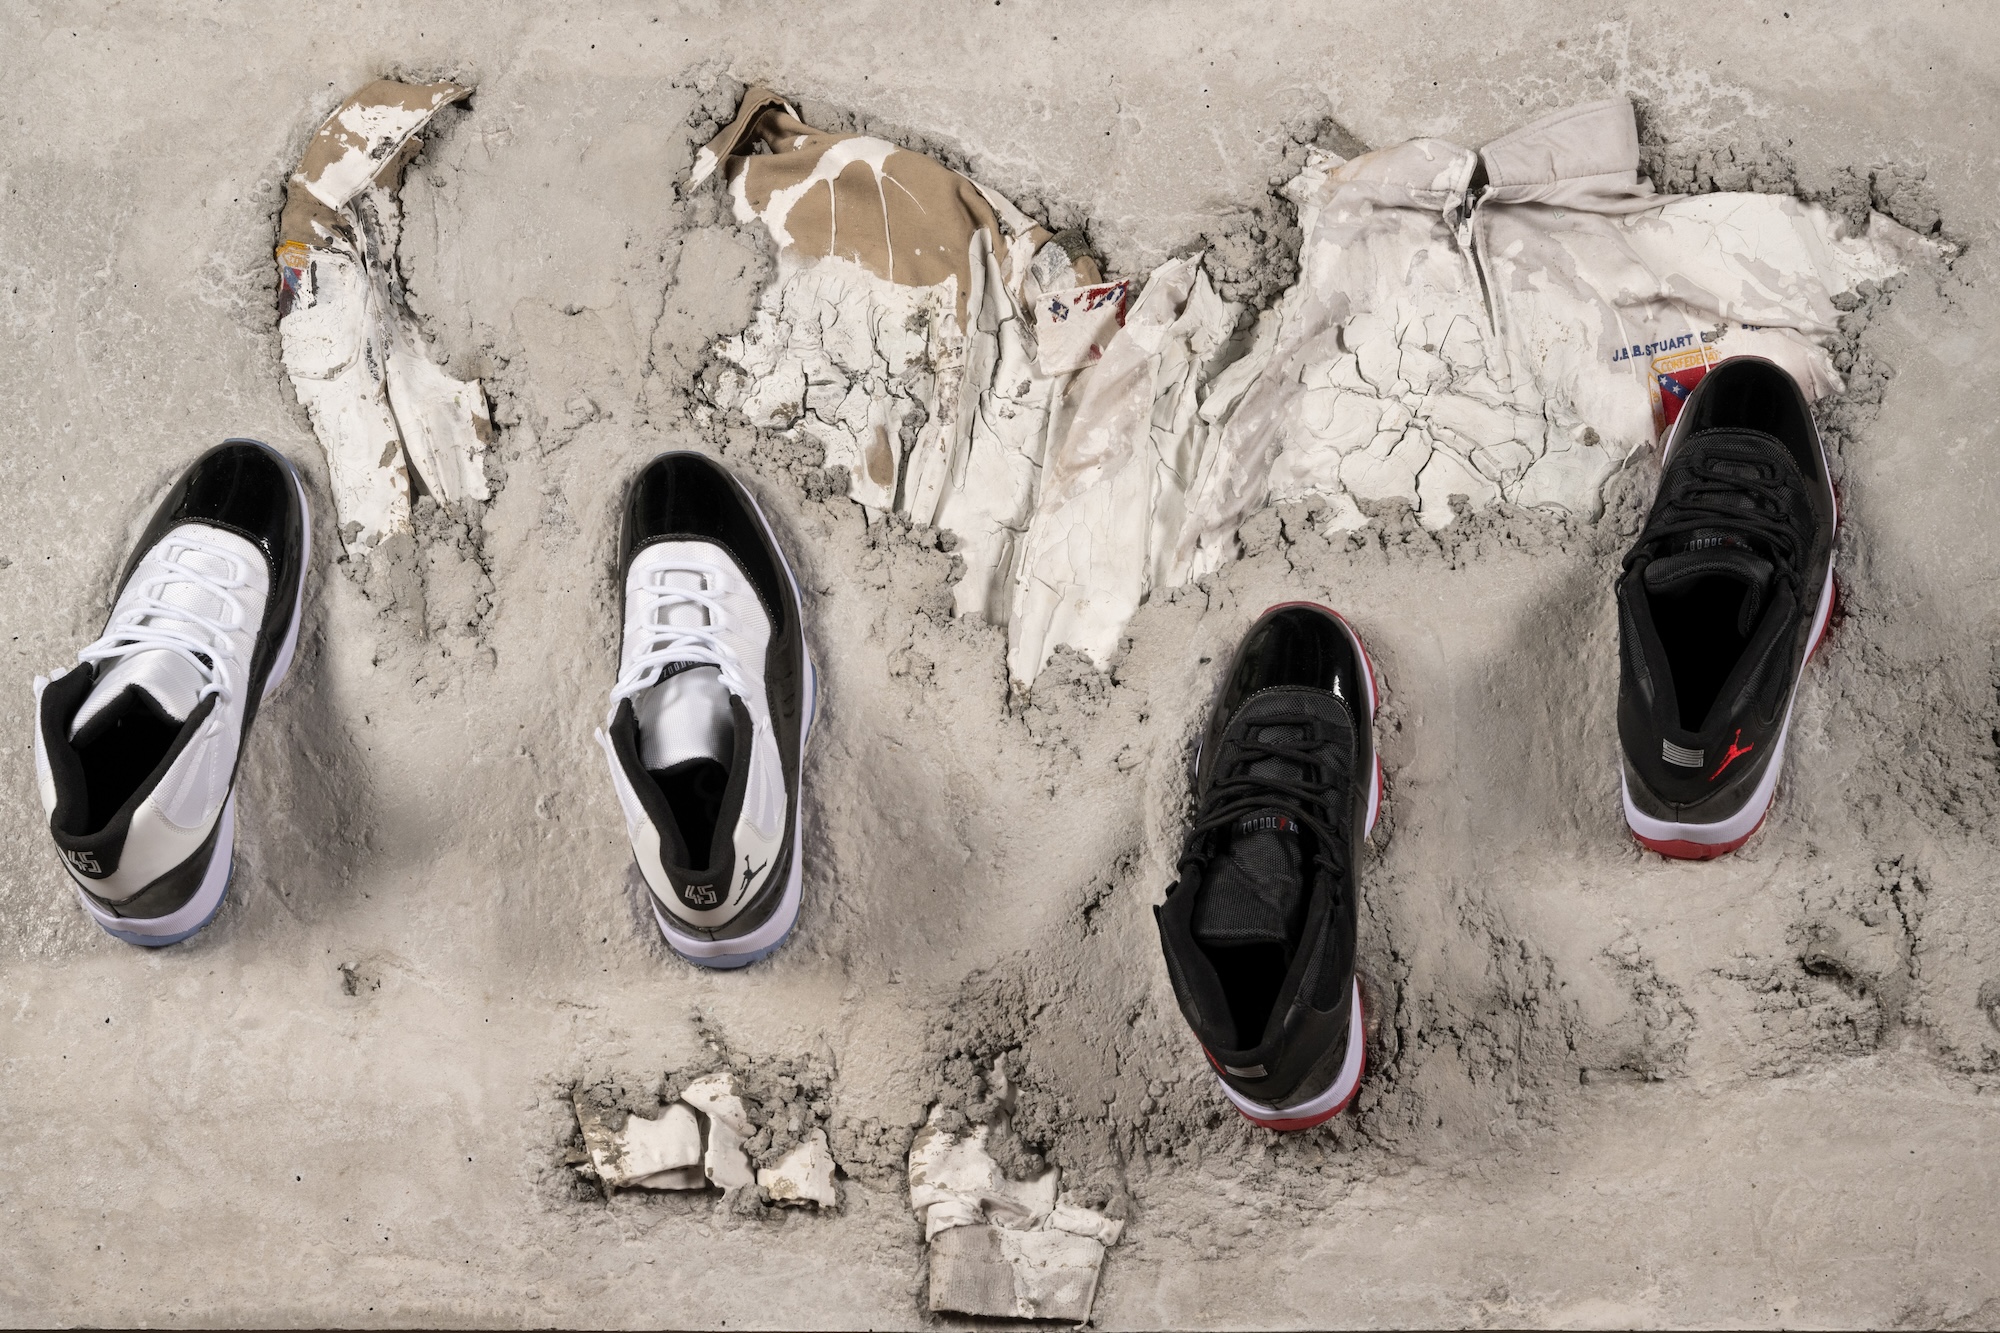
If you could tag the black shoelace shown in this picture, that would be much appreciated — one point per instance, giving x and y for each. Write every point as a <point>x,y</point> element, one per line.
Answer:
<point>1244,795</point>
<point>1756,504</point>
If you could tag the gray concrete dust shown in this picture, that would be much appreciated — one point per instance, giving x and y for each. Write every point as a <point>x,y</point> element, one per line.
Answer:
<point>1604,1089</point>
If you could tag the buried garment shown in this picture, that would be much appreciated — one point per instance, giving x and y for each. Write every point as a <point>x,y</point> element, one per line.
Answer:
<point>897,334</point>
<point>1515,339</point>
<point>378,403</point>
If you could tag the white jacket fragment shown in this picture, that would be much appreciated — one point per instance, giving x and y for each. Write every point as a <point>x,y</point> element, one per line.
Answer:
<point>351,345</point>
<point>1113,493</point>
<point>1517,339</point>
<point>896,333</point>
<point>698,1141</point>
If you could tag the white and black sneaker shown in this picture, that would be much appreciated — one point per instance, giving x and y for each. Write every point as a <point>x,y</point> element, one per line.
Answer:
<point>1259,931</point>
<point>709,719</point>
<point>1722,600</point>
<point>136,747</point>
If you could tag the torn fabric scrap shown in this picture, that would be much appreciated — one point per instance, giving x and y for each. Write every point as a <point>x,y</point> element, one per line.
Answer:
<point>351,344</point>
<point>1002,1248</point>
<point>803,1175</point>
<point>698,1141</point>
<point>728,1121</point>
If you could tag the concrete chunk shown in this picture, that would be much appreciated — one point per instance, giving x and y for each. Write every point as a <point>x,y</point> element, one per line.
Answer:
<point>803,1175</point>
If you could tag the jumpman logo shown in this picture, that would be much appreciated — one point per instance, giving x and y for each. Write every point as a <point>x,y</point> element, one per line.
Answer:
<point>1735,751</point>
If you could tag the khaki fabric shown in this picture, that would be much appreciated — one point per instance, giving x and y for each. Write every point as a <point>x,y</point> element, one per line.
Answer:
<point>904,217</point>
<point>368,139</point>
<point>352,347</point>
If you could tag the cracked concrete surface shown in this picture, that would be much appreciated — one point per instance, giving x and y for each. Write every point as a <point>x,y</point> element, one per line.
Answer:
<point>1604,1089</point>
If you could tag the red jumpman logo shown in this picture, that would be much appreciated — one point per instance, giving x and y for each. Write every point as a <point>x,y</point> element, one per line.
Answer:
<point>1735,752</point>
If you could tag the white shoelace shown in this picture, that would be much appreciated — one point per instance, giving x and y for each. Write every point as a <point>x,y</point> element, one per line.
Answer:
<point>202,638</point>
<point>654,645</point>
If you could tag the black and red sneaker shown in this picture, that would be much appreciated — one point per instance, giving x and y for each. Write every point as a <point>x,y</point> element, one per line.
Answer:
<point>1259,932</point>
<point>1721,602</point>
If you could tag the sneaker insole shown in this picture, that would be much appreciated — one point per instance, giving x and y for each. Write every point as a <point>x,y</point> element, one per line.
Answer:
<point>694,790</point>
<point>1251,975</point>
<point>121,755</point>
<point>1698,628</point>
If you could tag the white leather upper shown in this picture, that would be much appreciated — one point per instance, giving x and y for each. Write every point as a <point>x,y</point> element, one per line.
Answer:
<point>721,621</point>
<point>224,611</point>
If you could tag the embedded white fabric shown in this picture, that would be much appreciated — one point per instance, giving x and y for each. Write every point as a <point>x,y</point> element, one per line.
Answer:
<point>350,343</point>
<point>1520,340</point>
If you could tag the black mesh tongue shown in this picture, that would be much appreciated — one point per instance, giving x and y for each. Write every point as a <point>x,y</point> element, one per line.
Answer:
<point>1258,883</point>
<point>1255,891</point>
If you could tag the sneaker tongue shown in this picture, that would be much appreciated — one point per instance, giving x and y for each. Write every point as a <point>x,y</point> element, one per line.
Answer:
<point>171,679</point>
<point>1721,454</point>
<point>1255,890</point>
<point>1720,557</point>
<point>686,716</point>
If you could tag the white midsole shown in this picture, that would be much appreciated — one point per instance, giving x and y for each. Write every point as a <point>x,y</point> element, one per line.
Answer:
<point>1744,821</point>
<point>1343,1086</point>
<point>198,908</point>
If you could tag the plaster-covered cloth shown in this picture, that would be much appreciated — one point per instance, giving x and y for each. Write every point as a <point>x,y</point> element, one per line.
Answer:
<point>898,333</point>
<point>1508,323</point>
<point>351,345</point>
<point>1514,339</point>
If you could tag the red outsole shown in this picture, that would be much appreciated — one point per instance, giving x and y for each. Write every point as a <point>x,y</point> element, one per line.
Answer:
<point>1680,849</point>
<point>1308,1122</point>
